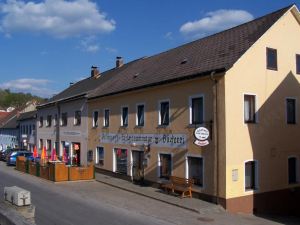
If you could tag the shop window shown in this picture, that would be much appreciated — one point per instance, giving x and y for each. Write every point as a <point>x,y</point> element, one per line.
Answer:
<point>124,119</point>
<point>95,118</point>
<point>106,118</point>
<point>41,121</point>
<point>48,121</point>
<point>140,115</point>
<point>164,113</point>
<point>64,119</point>
<point>298,64</point>
<point>77,118</point>
<point>100,156</point>
<point>41,144</point>
<point>76,154</point>
<point>49,147</point>
<point>195,170</point>
<point>121,160</point>
<point>66,152</point>
<point>251,175</point>
<point>272,59</point>
<point>291,111</point>
<point>196,110</point>
<point>292,170</point>
<point>165,166</point>
<point>249,109</point>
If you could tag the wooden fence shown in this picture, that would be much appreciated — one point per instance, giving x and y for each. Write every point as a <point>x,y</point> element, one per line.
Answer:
<point>55,171</point>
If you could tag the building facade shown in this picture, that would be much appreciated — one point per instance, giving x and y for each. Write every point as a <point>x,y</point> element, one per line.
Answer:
<point>241,85</point>
<point>27,130</point>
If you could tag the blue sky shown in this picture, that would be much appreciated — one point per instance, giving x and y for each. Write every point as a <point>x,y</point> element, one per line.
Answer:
<point>46,44</point>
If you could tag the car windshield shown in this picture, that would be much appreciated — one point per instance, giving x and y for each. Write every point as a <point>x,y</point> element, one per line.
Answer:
<point>13,154</point>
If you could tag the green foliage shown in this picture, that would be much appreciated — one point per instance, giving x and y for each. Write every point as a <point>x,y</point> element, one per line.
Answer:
<point>10,99</point>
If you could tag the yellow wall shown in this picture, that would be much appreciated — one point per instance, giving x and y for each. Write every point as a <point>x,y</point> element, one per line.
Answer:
<point>271,141</point>
<point>178,95</point>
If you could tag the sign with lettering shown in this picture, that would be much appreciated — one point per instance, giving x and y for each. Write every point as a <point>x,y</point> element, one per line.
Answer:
<point>155,140</point>
<point>201,134</point>
<point>71,133</point>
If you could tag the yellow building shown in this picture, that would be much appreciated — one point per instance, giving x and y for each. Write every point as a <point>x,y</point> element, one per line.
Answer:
<point>151,119</point>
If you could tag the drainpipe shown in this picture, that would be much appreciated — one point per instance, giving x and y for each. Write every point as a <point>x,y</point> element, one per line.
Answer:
<point>216,128</point>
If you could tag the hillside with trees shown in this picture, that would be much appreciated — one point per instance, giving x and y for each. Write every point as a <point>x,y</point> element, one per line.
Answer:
<point>11,99</point>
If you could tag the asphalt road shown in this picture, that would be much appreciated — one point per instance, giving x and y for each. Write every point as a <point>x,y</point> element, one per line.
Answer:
<point>58,204</point>
<point>85,203</point>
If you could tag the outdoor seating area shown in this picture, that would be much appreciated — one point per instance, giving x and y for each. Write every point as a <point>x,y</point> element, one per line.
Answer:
<point>55,171</point>
<point>178,184</point>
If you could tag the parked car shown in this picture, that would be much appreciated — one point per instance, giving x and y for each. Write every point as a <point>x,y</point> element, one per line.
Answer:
<point>32,159</point>
<point>12,158</point>
<point>9,151</point>
<point>5,153</point>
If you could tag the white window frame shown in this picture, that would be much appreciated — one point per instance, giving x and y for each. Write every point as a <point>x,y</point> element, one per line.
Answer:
<point>97,156</point>
<point>297,169</point>
<point>190,107</point>
<point>159,163</point>
<point>286,113</point>
<point>104,117</point>
<point>187,168</point>
<point>255,105</point>
<point>41,124</point>
<point>122,107</point>
<point>256,189</point>
<point>93,121</point>
<point>47,122</point>
<point>159,111</point>
<point>115,159</point>
<point>136,114</point>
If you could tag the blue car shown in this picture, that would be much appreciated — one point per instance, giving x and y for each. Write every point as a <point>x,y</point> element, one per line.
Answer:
<point>12,158</point>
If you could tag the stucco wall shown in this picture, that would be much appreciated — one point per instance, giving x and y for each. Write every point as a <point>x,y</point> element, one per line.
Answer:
<point>271,140</point>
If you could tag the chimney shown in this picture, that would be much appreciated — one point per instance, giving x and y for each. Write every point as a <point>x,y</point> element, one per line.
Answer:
<point>95,72</point>
<point>119,61</point>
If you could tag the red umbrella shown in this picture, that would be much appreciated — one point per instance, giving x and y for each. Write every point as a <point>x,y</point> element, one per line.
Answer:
<point>35,154</point>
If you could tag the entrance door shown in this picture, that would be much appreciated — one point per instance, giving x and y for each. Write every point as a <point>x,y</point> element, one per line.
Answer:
<point>137,165</point>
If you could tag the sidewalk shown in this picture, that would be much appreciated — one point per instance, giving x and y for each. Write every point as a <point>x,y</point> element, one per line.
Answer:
<point>192,204</point>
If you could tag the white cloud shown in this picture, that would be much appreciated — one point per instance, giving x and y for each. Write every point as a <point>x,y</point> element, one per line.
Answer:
<point>37,87</point>
<point>169,36</point>
<point>57,18</point>
<point>111,50</point>
<point>89,44</point>
<point>214,22</point>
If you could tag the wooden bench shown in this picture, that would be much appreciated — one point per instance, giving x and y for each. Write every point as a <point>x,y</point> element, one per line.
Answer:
<point>179,184</point>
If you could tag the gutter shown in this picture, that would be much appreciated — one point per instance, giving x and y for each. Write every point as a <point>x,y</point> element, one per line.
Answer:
<point>53,103</point>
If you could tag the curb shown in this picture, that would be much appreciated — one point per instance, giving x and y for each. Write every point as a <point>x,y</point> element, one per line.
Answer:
<point>148,196</point>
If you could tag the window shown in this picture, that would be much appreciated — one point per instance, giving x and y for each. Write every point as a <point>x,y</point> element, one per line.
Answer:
<point>41,122</point>
<point>164,113</point>
<point>124,119</point>
<point>55,120</point>
<point>64,119</point>
<point>77,118</point>
<point>49,146</point>
<point>95,118</point>
<point>195,170</point>
<point>292,170</point>
<point>165,166</point>
<point>106,118</point>
<point>196,110</point>
<point>100,156</point>
<point>251,175</point>
<point>121,160</point>
<point>271,59</point>
<point>249,109</point>
<point>298,64</point>
<point>140,115</point>
<point>291,111</point>
<point>49,120</point>
<point>41,144</point>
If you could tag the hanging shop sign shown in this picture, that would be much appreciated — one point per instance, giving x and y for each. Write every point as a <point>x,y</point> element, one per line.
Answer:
<point>155,140</point>
<point>202,135</point>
